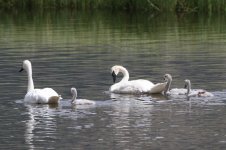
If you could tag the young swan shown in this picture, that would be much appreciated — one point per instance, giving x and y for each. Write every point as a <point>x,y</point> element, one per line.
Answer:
<point>79,101</point>
<point>172,92</point>
<point>39,96</point>
<point>196,92</point>
<point>134,86</point>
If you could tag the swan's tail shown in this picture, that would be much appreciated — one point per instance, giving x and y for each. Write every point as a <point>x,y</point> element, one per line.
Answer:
<point>54,99</point>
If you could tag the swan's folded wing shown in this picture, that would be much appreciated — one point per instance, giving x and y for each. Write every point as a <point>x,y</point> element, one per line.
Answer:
<point>41,96</point>
<point>128,89</point>
<point>157,88</point>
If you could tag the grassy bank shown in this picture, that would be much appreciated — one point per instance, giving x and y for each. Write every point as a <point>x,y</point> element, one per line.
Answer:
<point>210,6</point>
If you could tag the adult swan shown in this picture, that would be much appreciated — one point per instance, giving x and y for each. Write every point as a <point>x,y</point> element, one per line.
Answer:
<point>134,86</point>
<point>39,96</point>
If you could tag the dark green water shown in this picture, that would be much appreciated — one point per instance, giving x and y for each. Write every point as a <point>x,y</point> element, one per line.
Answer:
<point>78,49</point>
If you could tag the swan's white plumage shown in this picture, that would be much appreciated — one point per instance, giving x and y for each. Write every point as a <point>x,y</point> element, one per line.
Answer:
<point>157,88</point>
<point>39,96</point>
<point>76,101</point>
<point>196,92</point>
<point>135,86</point>
<point>174,91</point>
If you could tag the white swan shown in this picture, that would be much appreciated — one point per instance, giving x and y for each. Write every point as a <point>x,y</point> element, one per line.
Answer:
<point>196,92</point>
<point>39,96</point>
<point>134,86</point>
<point>79,101</point>
<point>174,91</point>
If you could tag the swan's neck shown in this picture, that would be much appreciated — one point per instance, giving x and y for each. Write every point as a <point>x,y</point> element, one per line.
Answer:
<point>168,84</point>
<point>125,74</point>
<point>74,96</point>
<point>188,88</point>
<point>30,80</point>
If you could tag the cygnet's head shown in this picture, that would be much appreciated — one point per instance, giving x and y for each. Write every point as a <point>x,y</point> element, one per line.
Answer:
<point>74,92</point>
<point>26,65</point>
<point>187,83</point>
<point>167,77</point>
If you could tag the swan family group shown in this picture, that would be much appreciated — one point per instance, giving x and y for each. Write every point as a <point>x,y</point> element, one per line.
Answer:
<point>140,86</point>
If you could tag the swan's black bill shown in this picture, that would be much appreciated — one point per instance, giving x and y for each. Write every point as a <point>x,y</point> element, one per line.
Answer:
<point>21,69</point>
<point>164,78</point>
<point>113,76</point>
<point>185,86</point>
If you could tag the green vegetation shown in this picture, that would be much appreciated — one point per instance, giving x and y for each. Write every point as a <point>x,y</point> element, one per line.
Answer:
<point>180,6</point>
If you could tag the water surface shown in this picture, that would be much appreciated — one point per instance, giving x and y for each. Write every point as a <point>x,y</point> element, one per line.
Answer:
<point>78,49</point>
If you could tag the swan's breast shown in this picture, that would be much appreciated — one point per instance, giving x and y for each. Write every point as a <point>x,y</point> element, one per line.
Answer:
<point>35,96</point>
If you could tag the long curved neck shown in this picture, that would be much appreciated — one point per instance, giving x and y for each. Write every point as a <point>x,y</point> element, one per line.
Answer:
<point>125,74</point>
<point>30,80</point>
<point>168,84</point>
<point>74,97</point>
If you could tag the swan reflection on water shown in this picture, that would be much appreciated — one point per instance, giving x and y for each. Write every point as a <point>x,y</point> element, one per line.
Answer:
<point>41,121</point>
<point>138,97</point>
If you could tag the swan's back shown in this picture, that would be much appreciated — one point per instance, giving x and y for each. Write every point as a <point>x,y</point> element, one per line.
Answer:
<point>132,87</point>
<point>200,93</point>
<point>83,102</point>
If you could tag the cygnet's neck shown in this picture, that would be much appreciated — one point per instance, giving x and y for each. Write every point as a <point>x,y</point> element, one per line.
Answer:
<point>74,95</point>
<point>125,74</point>
<point>188,87</point>
<point>30,80</point>
<point>74,98</point>
<point>168,84</point>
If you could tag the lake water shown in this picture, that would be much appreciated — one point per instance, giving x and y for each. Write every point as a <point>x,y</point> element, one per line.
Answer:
<point>75,49</point>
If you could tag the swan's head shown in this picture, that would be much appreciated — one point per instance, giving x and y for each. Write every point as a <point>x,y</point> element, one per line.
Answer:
<point>114,71</point>
<point>167,77</point>
<point>187,83</point>
<point>26,65</point>
<point>74,94</point>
